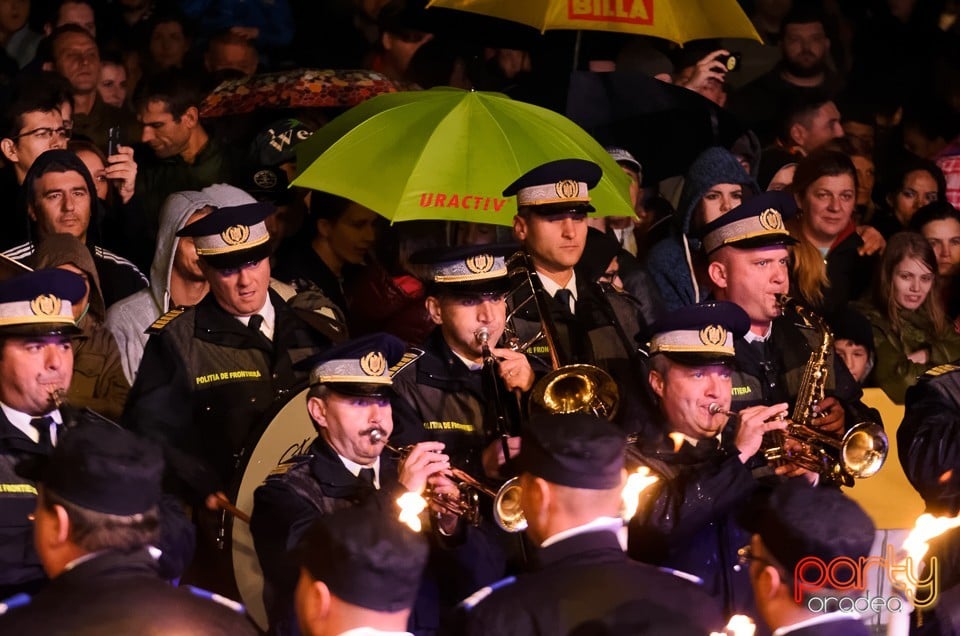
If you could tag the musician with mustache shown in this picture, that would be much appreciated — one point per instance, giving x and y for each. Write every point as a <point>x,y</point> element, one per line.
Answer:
<point>349,398</point>
<point>36,362</point>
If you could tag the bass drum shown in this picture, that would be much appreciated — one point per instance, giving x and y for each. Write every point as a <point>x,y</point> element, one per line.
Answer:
<point>287,434</point>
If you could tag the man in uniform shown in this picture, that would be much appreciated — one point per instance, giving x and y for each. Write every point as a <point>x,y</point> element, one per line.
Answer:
<point>571,476</point>
<point>210,373</point>
<point>685,520</point>
<point>749,265</point>
<point>349,403</point>
<point>795,523</point>
<point>594,324</point>
<point>97,514</point>
<point>929,446</point>
<point>448,395</point>
<point>359,570</point>
<point>36,364</point>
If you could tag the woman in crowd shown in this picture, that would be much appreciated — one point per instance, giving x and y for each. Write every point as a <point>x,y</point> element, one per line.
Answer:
<point>916,182</point>
<point>910,331</point>
<point>714,184</point>
<point>939,223</point>
<point>829,268</point>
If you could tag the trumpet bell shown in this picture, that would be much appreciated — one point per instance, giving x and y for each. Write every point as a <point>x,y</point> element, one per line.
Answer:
<point>863,450</point>
<point>576,388</point>
<point>506,507</point>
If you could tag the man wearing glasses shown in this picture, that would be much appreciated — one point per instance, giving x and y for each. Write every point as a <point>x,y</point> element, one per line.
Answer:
<point>210,373</point>
<point>32,124</point>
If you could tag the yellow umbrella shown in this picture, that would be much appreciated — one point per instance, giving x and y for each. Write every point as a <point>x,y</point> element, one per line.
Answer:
<point>679,21</point>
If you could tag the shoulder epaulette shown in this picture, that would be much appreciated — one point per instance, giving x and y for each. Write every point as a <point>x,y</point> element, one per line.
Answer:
<point>941,369</point>
<point>285,467</point>
<point>165,320</point>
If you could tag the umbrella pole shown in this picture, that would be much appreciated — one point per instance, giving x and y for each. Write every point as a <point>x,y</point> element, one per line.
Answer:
<point>576,50</point>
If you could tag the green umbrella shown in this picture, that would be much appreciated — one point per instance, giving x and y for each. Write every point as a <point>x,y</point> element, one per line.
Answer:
<point>448,154</point>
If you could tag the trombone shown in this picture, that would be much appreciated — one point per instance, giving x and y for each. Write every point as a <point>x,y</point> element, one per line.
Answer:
<point>570,388</point>
<point>506,500</point>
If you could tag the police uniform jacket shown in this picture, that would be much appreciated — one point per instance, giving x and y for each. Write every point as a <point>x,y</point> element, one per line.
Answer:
<point>205,382</point>
<point>772,371</point>
<point>20,568</point>
<point>296,494</point>
<point>687,520</point>
<point>440,399</point>
<point>586,582</point>
<point>929,447</point>
<point>120,593</point>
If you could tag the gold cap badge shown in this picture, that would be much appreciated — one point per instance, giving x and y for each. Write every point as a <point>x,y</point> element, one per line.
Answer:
<point>46,305</point>
<point>713,335</point>
<point>568,189</point>
<point>373,363</point>
<point>770,219</point>
<point>480,263</point>
<point>235,234</point>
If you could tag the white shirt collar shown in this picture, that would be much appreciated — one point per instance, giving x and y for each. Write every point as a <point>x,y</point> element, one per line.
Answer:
<point>552,287</point>
<point>21,422</point>
<point>752,337</point>
<point>816,620</point>
<point>371,631</point>
<point>269,318</point>
<point>354,468</point>
<point>611,524</point>
<point>470,364</point>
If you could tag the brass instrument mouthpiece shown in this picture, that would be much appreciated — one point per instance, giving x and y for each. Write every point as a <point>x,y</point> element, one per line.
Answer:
<point>715,409</point>
<point>482,335</point>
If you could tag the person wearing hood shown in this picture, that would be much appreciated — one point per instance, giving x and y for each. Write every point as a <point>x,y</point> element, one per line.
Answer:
<point>98,381</point>
<point>175,276</point>
<point>714,184</point>
<point>60,197</point>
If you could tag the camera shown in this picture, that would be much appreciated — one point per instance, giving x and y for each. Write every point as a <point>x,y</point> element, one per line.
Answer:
<point>113,140</point>
<point>730,62</point>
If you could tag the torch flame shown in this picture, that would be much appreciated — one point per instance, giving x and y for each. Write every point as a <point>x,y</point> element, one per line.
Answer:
<point>738,625</point>
<point>637,482</point>
<point>411,505</point>
<point>677,441</point>
<point>927,527</point>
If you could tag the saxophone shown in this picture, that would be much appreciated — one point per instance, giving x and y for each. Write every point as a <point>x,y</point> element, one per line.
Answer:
<point>859,454</point>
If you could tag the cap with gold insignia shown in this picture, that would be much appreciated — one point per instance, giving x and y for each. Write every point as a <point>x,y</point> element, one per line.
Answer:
<point>466,269</point>
<point>757,222</point>
<point>40,303</point>
<point>557,186</point>
<point>699,334</point>
<point>363,366</point>
<point>231,236</point>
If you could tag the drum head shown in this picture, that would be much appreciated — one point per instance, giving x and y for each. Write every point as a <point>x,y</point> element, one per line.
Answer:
<point>289,433</point>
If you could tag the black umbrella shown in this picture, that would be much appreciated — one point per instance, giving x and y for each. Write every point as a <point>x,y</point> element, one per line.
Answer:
<point>664,126</point>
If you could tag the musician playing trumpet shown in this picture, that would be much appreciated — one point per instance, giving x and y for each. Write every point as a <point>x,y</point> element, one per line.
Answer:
<point>348,463</point>
<point>36,365</point>
<point>700,451</point>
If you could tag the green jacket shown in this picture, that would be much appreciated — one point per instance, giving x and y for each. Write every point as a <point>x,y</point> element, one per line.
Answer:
<point>893,372</point>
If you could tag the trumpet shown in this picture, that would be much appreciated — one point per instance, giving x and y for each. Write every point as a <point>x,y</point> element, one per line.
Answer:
<point>506,501</point>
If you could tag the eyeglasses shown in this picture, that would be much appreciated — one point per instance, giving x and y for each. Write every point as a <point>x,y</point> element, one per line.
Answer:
<point>46,134</point>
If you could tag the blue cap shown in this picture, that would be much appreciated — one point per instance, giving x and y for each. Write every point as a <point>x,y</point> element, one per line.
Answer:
<point>363,366</point>
<point>700,334</point>
<point>231,236</point>
<point>757,222</point>
<point>466,269</point>
<point>572,449</point>
<point>556,186</point>
<point>40,303</point>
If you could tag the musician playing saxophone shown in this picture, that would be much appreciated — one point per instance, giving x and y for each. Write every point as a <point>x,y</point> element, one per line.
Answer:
<point>748,257</point>
<point>349,399</point>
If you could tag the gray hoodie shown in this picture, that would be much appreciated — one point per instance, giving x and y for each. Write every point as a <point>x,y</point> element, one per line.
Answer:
<point>129,318</point>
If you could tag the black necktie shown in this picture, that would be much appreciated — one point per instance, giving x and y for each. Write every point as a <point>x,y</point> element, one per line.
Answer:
<point>564,296</point>
<point>256,321</point>
<point>42,424</point>
<point>366,476</point>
